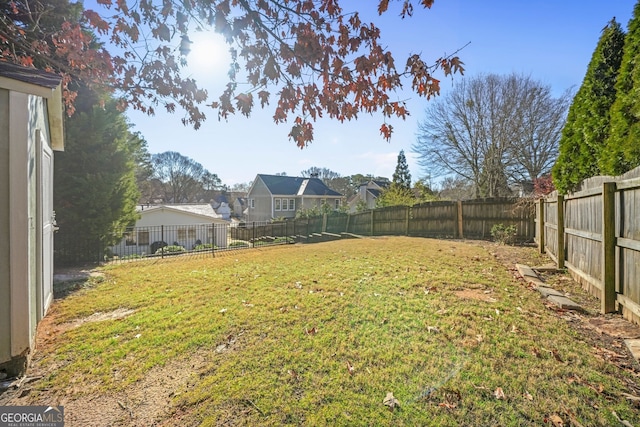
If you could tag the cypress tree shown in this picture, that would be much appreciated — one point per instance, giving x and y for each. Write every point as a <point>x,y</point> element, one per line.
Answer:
<point>96,193</point>
<point>585,133</point>
<point>623,145</point>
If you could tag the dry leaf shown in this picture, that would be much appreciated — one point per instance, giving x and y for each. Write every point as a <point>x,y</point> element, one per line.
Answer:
<point>391,401</point>
<point>433,329</point>
<point>499,394</point>
<point>556,421</point>
<point>557,356</point>
<point>224,310</point>
<point>293,374</point>
<point>350,368</point>
<point>528,396</point>
<point>311,331</point>
<point>448,405</point>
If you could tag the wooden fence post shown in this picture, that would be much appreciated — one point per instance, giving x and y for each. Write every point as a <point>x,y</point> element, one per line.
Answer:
<point>560,255</point>
<point>459,218</point>
<point>372,212</point>
<point>541,225</point>
<point>408,214</point>
<point>348,220</point>
<point>608,300</point>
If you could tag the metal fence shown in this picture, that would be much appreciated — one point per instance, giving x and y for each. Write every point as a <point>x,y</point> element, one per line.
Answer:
<point>466,219</point>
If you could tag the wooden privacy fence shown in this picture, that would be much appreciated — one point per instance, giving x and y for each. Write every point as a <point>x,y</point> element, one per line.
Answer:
<point>595,234</point>
<point>467,219</point>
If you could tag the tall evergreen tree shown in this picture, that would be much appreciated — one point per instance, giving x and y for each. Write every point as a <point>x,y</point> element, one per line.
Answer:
<point>402,177</point>
<point>399,192</point>
<point>622,151</point>
<point>585,133</point>
<point>95,177</point>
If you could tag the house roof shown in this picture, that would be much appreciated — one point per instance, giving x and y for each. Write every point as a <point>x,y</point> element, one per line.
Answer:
<point>296,186</point>
<point>29,75</point>
<point>40,83</point>
<point>204,210</point>
<point>374,192</point>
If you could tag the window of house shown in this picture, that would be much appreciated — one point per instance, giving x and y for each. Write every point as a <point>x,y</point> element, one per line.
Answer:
<point>337,203</point>
<point>292,204</point>
<point>277,202</point>
<point>182,234</point>
<point>252,203</point>
<point>143,238</point>
<point>191,232</point>
<point>130,239</point>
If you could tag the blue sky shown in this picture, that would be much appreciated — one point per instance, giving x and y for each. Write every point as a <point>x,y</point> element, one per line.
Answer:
<point>552,41</point>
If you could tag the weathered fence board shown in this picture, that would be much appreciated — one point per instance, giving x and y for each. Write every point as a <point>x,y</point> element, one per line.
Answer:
<point>435,219</point>
<point>600,237</point>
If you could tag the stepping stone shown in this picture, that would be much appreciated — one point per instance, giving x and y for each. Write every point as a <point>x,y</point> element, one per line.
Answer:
<point>529,275</point>
<point>545,291</point>
<point>564,302</point>
<point>634,348</point>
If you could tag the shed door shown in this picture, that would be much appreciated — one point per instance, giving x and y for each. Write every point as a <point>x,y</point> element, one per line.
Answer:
<point>47,215</point>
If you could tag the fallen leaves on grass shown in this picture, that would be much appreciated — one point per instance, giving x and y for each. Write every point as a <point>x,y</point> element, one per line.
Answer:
<point>499,394</point>
<point>391,401</point>
<point>350,368</point>
<point>311,331</point>
<point>555,421</point>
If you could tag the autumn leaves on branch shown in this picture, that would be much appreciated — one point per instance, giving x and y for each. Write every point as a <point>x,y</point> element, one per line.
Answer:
<point>309,59</point>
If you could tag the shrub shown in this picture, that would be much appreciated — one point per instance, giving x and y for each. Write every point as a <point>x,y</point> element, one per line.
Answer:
<point>157,245</point>
<point>283,240</point>
<point>201,247</point>
<point>171,249</point>
<point>238,244</point>
<point>504,235</point>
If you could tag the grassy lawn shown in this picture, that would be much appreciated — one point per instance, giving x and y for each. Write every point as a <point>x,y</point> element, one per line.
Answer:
<point>320,334</point>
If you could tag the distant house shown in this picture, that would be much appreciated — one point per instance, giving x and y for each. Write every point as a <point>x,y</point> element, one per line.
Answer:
<point>367,195</point>
<point>239,207</point>
<point>31,128</point>
<point>275,196</point>
<point>186,225</point>
<point>221,205</point>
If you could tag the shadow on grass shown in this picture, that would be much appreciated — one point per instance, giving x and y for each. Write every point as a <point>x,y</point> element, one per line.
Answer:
<point>71,280</point>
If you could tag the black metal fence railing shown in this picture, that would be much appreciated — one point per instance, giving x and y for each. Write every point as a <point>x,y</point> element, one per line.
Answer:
<point>467,219</point>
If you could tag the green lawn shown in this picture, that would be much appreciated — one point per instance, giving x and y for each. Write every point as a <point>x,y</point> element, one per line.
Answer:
<point>320,334</point>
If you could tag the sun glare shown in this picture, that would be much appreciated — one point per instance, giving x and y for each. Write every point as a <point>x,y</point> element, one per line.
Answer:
<point>209,54</point>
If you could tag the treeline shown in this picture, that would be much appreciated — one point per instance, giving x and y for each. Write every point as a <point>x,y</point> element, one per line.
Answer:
<point>602,134</point>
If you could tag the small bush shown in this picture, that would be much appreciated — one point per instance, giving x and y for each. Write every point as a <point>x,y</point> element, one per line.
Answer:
<point>283,240</point>
<point>171,249</point>
<point>504,235</point>
<point>201,247</point>
<point>238,244</point>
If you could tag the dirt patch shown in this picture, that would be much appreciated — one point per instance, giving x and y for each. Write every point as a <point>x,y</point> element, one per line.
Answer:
<point>141,404</point>
<point>116,314</point>
<point>476,294</point>
<point>615,326</point>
